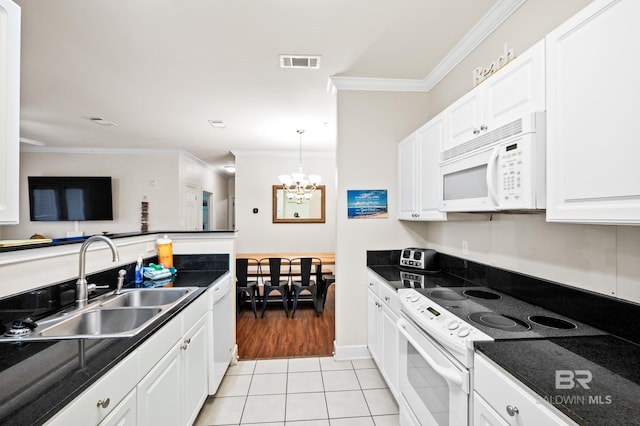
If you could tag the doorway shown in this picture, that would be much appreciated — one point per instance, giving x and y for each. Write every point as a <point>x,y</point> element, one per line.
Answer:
<point>208,222</point>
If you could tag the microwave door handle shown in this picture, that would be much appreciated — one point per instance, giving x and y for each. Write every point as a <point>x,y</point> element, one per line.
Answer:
<point>451,375</point>
<point>491,176</point>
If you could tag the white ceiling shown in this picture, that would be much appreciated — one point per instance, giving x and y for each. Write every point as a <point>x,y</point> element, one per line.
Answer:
<point>160,69</point>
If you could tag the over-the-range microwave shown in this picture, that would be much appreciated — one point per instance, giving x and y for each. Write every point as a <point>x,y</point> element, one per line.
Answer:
<point>501,170</point>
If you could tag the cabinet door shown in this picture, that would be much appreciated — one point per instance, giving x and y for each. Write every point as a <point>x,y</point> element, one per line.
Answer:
<point>515,90</point>
<point>389,347</point>
<point>9,110</point>
<point>194,352</point>
<point>160,395</point>
<point>124,414</point>
<point>373,327</point>
<point>464,119</point>
<point>484,415</point>
<point>407,178</point>
<point>592,91</point>
<point>429,138</point>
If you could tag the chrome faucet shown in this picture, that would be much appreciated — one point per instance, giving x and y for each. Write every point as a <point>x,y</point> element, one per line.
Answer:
<point>82,290</point>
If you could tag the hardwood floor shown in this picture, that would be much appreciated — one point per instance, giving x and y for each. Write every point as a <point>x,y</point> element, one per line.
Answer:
<point>276,336</point>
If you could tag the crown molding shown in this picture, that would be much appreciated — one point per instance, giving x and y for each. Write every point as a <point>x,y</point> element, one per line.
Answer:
<point>489,22</point>
<point>281,154</point>
<point>375,84</point>
<point>129,151</point>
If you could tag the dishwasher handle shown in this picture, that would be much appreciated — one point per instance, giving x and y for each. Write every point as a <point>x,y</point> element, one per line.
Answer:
<point>451,375</point>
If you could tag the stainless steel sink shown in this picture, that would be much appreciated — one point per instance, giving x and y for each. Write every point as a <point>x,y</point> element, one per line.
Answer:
<point>102,322</point>
<point>114,315</point>
<point>146,297</point>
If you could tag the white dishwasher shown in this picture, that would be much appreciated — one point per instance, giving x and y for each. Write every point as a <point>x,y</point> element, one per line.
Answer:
<point>220,326</point>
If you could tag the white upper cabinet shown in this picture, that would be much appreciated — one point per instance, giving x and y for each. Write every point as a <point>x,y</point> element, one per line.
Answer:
<point>9,110</point>
<point>512,92</point>
<point>592,111</point>
<point>419,172</point>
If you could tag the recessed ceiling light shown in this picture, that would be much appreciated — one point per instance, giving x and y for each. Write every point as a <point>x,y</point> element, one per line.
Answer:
<point>218,124</point>
<point>230,168</point>
<point>300,61</point>
<point>103,121</point>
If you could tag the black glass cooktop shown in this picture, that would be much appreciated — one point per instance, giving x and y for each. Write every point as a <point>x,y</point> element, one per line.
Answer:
<point>505,317</point>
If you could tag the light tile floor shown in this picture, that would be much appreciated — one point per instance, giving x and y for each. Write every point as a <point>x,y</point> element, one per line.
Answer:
<point>301,392</point>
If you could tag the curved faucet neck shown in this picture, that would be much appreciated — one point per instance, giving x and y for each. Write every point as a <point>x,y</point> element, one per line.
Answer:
<point>82,292</point>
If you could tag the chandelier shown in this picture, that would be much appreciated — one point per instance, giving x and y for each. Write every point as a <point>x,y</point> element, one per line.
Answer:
<point>298,186</point>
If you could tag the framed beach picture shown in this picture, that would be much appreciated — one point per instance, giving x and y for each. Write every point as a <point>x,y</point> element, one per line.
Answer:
<point>367,204</point>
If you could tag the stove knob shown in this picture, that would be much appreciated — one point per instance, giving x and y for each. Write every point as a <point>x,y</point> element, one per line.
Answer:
<point>463,332</point>
<point>453,325</point>
<point>414,299</point>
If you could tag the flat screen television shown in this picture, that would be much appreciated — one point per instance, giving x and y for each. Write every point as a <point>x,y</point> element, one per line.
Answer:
<point>70,198</point>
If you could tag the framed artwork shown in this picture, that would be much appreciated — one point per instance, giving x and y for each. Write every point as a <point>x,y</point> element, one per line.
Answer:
<point>367,204</point>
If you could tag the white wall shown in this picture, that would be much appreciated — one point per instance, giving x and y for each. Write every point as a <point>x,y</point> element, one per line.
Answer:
<point>256,173</point>
<point>369,127</point>
<point>136,174</point>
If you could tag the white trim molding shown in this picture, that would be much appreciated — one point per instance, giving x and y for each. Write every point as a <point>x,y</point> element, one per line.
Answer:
<point>344,353</point>
<point>489,22</point>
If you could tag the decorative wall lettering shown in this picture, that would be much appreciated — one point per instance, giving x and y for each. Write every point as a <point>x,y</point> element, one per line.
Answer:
<point>480,74</point>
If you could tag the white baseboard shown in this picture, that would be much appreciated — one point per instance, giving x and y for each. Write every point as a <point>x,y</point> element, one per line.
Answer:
<point>344,353</point>
<point>234,357</point>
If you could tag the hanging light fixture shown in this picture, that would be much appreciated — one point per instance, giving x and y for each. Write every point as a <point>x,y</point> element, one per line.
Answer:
<point>297,186</point>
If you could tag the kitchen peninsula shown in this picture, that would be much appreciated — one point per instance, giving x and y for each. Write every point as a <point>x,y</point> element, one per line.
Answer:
<point>42,378</point>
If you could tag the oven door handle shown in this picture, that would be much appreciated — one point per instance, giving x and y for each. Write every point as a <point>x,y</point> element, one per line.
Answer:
<point>452,375</point>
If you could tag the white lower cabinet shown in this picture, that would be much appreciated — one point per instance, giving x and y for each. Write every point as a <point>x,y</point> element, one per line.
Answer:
<point>383,310</point>
<point>124,414</point>
<point>174,390</point>
<point>160,392</point>
<point>500,399</point>
<point>164,381</point>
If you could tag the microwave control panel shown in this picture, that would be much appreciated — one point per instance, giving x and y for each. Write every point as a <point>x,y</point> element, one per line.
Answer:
<point>513,173</point>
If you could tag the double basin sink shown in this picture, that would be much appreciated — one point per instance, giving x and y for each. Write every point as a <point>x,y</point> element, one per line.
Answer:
<point>114,315</point>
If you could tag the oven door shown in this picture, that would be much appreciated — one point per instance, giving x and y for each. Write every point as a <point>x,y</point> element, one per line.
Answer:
<point>434,387</point>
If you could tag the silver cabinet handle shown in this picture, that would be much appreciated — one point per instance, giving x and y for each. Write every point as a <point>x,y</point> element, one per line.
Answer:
<point>370,284</point>
<point>476,131</point>
<point>483,127</point>
<point>387,298</point>
<point>512,411</point>
<point>104,403</point>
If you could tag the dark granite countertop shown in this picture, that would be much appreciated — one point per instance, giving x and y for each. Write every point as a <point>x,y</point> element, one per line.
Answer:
<point>613,397</point>
<point>40,378</point>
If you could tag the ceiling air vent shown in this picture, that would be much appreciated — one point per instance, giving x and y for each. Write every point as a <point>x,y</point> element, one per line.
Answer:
<point>300,61</point>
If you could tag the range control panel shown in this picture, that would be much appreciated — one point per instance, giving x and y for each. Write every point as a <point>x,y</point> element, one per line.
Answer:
<point>436,321</point>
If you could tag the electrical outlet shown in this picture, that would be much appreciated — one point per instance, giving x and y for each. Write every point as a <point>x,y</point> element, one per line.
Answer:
<point>465,247</point>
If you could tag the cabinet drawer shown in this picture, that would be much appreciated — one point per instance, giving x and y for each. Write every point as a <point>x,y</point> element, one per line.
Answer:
<point>389,297</point>
<point>501,390</point>
<point>102,397</point>
<point>194,311</point>
<point>152,351</point>
<point>373,283</point>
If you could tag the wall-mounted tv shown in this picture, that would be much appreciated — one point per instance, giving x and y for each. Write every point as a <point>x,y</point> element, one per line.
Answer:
<point>70,198</point>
